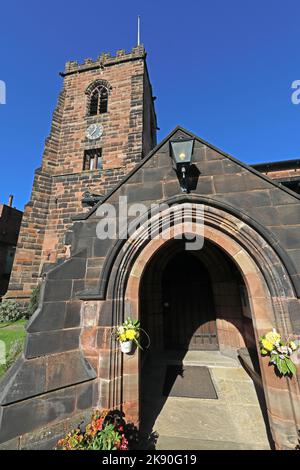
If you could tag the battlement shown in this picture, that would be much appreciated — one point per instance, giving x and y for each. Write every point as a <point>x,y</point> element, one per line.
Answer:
<point>104,60</point>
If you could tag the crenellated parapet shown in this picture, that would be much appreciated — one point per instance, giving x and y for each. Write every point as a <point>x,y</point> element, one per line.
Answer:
<point>104,60</point>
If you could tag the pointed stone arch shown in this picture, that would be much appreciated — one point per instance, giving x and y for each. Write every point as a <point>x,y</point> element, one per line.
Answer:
<point>97,84</point>
<point>270,290</point>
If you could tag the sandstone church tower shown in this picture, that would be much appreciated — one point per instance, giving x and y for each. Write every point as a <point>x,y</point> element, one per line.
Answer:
<point>103,125</point>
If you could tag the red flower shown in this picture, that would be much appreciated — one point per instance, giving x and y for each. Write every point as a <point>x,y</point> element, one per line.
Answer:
<point>99,424</point>
<point>124,443</point>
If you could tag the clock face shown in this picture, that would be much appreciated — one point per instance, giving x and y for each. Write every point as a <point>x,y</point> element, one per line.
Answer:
<point>94,131</point>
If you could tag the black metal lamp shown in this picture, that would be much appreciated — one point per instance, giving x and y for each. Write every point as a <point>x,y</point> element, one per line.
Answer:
<point>181,153</point>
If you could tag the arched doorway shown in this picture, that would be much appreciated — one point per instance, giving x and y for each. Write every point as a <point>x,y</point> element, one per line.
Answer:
<point>195,300</point>
<point>195,307</point>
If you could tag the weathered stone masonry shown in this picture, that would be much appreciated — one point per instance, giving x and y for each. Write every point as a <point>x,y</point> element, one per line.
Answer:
<point>129,134</point>
<point>248,216</point>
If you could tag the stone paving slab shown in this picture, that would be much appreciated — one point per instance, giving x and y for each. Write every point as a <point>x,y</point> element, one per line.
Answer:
<point>190,417</point>
<point>237,392</point>
<point>169,443</point>
<point>231,374</point>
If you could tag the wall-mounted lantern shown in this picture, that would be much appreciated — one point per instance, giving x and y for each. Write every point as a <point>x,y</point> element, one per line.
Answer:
<point>181,153</point>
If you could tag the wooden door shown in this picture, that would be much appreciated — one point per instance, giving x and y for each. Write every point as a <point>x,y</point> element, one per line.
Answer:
<point>188,306</point>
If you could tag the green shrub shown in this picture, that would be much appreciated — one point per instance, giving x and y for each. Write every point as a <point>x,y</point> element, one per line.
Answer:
<point>10,311</point>
<point>14,351</point>
<point>34,301</point>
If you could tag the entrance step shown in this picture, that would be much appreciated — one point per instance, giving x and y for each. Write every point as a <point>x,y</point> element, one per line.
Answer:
<point>202,358</point>
<point>236,420</point>
<point>194,358</point>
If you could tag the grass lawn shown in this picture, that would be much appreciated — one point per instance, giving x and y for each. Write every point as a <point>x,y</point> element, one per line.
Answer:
<point>10,333</point>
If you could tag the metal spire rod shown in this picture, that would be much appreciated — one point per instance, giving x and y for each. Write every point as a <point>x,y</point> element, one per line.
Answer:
<point>139,30</point>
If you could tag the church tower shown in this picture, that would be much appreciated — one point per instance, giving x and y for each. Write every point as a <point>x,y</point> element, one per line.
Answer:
<point>103,125</point>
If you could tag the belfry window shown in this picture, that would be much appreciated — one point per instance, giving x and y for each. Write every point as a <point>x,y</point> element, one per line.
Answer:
<point>92,159</point>
<point>98,101</point>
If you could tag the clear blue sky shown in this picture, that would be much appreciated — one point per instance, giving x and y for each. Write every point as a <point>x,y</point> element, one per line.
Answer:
<point>222,69</point>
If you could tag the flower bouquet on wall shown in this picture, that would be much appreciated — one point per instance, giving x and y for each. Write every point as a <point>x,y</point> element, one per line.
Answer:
<point>280,352</point>
<point>127,334</point>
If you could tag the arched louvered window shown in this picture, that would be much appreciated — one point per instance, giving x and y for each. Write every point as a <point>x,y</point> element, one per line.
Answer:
<point>98,101</point>
<point>103,102</point>
<point>94,100</point>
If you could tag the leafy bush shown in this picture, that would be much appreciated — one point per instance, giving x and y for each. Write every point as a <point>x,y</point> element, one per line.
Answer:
<point>109,439</point>
<point>105,431</point>
<point>34,301</point>
<point>10,311</point>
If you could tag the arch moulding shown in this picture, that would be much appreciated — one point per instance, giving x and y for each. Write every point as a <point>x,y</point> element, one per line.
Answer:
<point>269,288</point>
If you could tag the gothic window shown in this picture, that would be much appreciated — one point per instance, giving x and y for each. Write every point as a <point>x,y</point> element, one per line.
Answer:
<point>98,99</point>
<point>92,159</point>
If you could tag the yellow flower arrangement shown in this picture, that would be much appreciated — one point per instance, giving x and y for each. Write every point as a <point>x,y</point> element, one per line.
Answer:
<point>271,344</point>
<point>273,337</point>
<point>129,331</point>
<point>131,334</point>
<point>267,345</point>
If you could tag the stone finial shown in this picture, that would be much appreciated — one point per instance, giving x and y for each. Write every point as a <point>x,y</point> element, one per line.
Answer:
<point>101,57</point>
<point>121,52</point>
<point>88,61</point>
<point>138,50</point>
<point>70,65</point>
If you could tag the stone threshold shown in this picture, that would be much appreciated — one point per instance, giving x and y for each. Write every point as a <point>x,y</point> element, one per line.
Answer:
<point>196,358</point>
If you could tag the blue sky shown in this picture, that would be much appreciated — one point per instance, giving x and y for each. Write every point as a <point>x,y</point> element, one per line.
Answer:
<point>221,69</point>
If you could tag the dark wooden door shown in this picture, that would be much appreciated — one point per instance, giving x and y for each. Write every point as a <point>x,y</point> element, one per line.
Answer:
<point>189,314</point>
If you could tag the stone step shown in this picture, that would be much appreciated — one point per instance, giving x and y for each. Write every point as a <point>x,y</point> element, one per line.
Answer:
<point>195,358</point>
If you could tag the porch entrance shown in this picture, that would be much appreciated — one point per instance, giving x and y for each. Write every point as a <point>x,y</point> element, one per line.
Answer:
<point>195,309</point>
